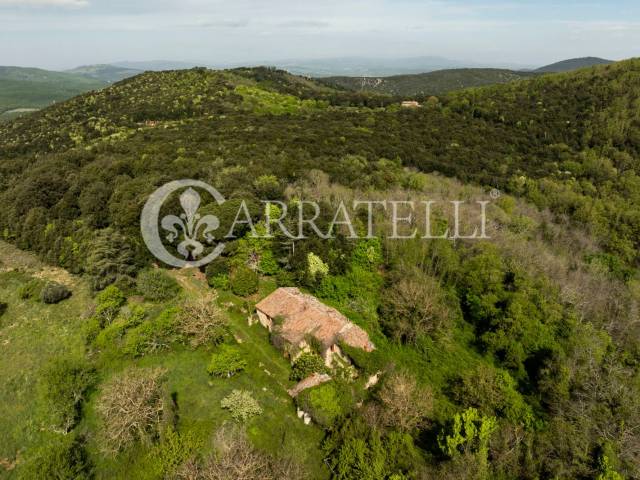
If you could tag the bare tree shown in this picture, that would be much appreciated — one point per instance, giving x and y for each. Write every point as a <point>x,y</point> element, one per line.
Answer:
<point>201,321</point>
<point>132,406</point>
<point>405,405</point>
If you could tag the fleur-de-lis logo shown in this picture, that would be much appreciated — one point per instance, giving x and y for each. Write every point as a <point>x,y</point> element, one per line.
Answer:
<point>192,229</point>
<point>191,224</point>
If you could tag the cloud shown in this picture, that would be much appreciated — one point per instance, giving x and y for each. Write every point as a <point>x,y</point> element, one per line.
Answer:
<point>45,3</point>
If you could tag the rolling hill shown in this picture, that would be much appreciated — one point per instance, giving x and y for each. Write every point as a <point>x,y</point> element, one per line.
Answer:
<point>513,356</point>
<point>431,83</point>
<point>573,64</point>
<point>105,73</point>
<point>33,88</point>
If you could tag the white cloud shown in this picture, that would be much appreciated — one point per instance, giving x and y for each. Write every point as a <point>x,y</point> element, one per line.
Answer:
<point>45,3</point>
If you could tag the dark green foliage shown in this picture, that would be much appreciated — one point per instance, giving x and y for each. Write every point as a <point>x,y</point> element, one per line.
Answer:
<point>61,457</point>
<point>3,308</point>
<point>156,286</point>
<point>54,292</point>
<point>110,258</point>
<point>63,386</point>
<point>226,362</point>
<point>307,364</point>
<point>243,281</point>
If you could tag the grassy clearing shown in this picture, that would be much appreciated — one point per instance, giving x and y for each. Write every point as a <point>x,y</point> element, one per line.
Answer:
<point>32,333</point>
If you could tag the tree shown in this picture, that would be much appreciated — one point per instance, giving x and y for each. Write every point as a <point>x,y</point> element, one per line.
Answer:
<point>202,322</point>
<point>110,257</point>
<point>404,404</point>
<point>243,281</point>
<point>413,306</point>
<point>226,362</point>
<point>156,286</point>
<point>305,365</point>
<point>242,405</point>
<point>132,406</point>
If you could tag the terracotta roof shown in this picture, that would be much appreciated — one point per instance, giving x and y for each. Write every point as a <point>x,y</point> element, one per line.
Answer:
<point>305,315</point>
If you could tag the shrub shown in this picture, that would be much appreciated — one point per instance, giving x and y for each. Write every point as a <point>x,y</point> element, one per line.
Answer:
<point>227,362</point>
<point>243,281</point>
<point>110,300</point>
<point>201,322</point>
<point>156,286</point>
<point>241,405</point>
<point>31,289</point>
<point>218,267</point>
<point>63,386</point>
<point>307,364</point>
<point>468,431</point>
<point>62,457</point>
<point>3,308</point>
<point>152,335</point>
<point>323,403</point>
<point>54,292</point>
<point>132,406</point>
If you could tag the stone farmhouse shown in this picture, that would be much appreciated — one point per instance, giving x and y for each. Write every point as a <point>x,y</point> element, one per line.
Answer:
<point>297,320</point>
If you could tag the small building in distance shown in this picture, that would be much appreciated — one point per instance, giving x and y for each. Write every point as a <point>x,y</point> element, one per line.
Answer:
<point>298,320</point>
<point>410,104</point>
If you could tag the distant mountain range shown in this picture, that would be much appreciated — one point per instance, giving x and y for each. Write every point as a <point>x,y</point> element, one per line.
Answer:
<point>573,64</point>
<point>432,83</point>
<point>27,89</point>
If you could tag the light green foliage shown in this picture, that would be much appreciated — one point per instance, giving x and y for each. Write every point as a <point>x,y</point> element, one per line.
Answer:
<point>152,335</point>
<point>367,254</point>
<point>109,302</point>
<point>241,405</point>
<point>469,431</point>
<point>156,286</point>
<point>226,362</point>
<point>316,268</point>
<point>606,470</point>
<point>262,101</point>
<point>305,365</point>
<point>323,403</point>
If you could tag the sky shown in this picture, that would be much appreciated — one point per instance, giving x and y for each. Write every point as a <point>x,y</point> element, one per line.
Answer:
<point>61,34</point>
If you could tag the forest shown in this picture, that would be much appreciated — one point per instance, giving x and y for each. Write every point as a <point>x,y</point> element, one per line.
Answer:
<point>515,357</point>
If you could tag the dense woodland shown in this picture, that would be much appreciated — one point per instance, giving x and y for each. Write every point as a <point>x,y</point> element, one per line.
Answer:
<point>517,357</point>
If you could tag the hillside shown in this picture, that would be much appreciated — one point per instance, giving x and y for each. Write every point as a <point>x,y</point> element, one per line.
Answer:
<point>105,73</point>
<point>432,83</point>
<point>515,356</point>
<point>573,64</point>
<point>33,88</point>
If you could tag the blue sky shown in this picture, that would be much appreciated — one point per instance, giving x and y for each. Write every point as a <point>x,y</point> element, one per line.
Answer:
<point>65,33</point>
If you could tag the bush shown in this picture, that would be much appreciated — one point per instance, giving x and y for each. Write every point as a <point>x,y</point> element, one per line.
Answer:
<point>242,405</point>
<point>152,335</point>
<point>54,293</point>
<point>156,286</point>
<point>31,289</point>
<point>227,362</point>
<point>306,365</point>
<point>132,407</point>
<point>243,281</point>
<point>3,308</point>
<point>62,457</point>
<point>63,386</point>
<point>110,300</point>
<point>323,404</point>
<point>218,267</point>
<point>202,322</point>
